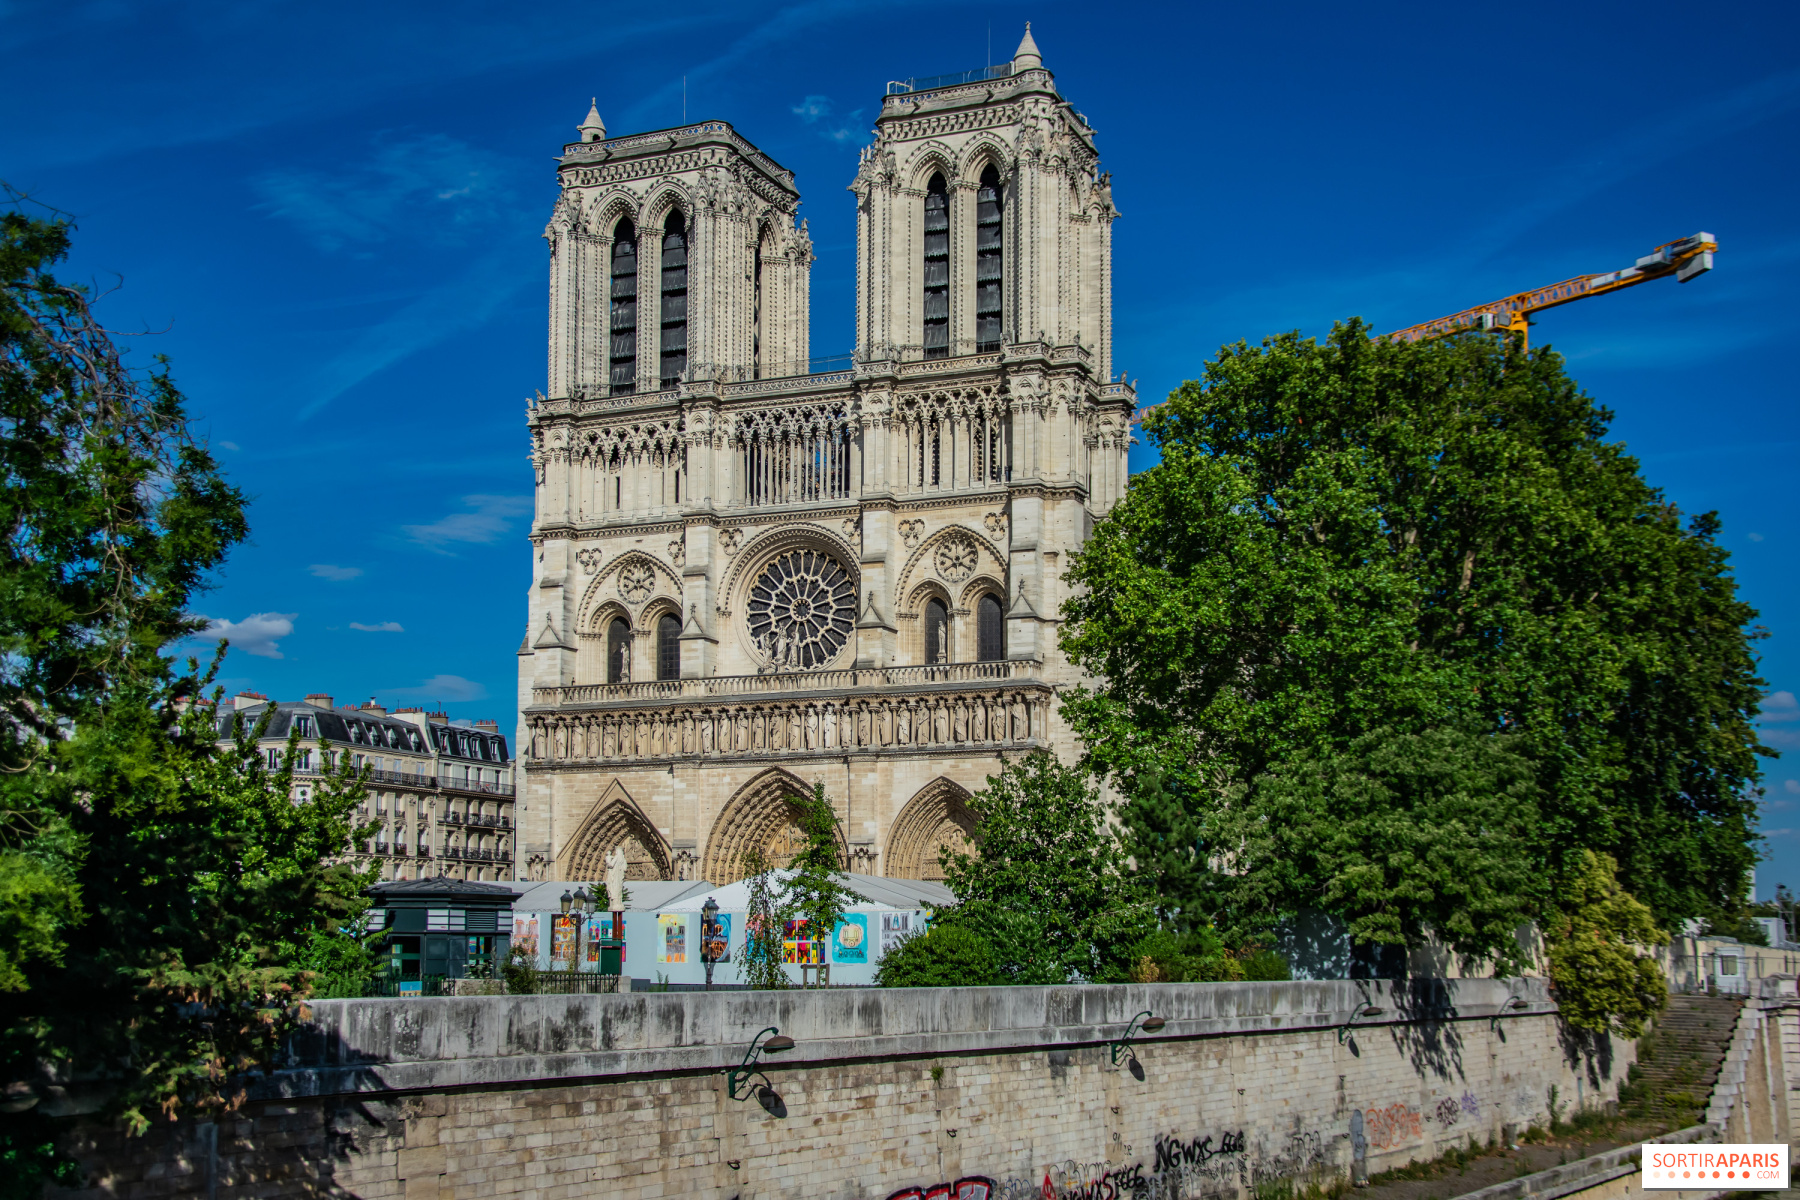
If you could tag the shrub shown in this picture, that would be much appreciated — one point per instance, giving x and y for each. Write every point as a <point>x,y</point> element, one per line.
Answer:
<point>943,956</point>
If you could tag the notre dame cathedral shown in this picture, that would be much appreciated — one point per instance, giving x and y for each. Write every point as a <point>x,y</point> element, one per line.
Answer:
<point>750,575</point>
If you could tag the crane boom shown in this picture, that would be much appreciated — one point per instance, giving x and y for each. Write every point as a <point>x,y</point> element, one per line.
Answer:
<point>1685,258</point>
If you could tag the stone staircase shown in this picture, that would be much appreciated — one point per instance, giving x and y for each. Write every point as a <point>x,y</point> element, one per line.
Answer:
<point>1680,1056</point>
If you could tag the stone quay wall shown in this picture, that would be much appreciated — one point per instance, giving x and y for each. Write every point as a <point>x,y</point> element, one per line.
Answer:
<point>1011,1091</point>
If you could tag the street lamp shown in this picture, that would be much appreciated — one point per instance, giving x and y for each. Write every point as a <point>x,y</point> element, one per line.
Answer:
<point>709,937</point>
<point>775,1045</point>
<point>1367,1010</point>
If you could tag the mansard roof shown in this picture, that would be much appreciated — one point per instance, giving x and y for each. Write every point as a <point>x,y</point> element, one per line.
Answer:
<point>356,727</point>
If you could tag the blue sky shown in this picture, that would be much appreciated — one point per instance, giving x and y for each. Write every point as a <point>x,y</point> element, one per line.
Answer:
<point>329,215</point>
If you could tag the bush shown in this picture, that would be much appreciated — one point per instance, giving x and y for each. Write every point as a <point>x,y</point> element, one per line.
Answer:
<point>1265,965</point>
<point>943,956</point>
<point>520,971</point>
<point>1164,956</point>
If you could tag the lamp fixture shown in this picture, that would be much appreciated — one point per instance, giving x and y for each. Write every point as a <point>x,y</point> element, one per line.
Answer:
<point>1507,1008</point>
<point>736,1078</point>
<point>565,903</point>
<point>1149,1024</point>
<point>1366,1010</point>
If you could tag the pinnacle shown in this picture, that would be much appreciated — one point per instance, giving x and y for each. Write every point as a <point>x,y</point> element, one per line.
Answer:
<point>1027,55</point>
<point>593,129</point>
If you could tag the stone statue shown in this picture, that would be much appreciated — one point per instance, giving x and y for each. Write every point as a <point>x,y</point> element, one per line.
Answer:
<point>615,877</point>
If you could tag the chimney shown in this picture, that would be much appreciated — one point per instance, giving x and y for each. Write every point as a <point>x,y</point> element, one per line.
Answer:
<point>372,707</point>
<point>438,718</point>
<point>319,700</point>
<point>398,712</point>
<point>490,726</point>
<point>247,699</point>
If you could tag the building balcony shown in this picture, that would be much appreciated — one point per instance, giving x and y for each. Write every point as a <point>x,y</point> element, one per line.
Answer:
<point>488,821</point>
<point>986,706</point>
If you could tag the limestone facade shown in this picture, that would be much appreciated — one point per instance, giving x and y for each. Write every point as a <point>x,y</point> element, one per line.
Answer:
<point>749,577</point>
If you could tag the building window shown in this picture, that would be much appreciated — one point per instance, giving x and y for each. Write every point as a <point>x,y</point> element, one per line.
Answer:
<point>674,299</point>
<point>623,352</point>
<point>303,726</point>
<point>988,252</point>
<point>756,314</point>
<point>937,632</point>
<point>990,629</point>
<point>618,652</point>
<point>668,647</point>
<point>937,269</point>
<point>274,758</point>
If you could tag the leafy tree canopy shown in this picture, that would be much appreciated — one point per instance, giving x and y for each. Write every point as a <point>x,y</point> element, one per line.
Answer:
<point>943,956</point>
<point>1602,981</point>
<point>1369,576</point>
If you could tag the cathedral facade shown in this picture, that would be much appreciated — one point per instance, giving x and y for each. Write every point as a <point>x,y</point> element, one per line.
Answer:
<point>751,576</point>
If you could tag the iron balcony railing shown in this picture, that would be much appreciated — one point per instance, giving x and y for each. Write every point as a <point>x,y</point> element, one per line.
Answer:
<point>422,781</point>
<point>924,83</point>
<point>488,821</point>
<point>790,681</point>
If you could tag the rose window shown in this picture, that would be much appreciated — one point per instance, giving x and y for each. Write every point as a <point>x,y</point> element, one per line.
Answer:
<point>636,582</point>
<point>956,559</point>
<point>802,608</point>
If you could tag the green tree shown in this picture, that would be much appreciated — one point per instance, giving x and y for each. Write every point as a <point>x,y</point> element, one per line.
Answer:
<point>143,915</point>
<point>763,922</point>
<point>1048,887</point>
<point>942,956</point>
<point>1361,536</point>
<point>815,891</point>
<point>1603,982</point>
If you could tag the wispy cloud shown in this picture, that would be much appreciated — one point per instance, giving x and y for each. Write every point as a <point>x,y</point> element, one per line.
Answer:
<point>380,627</point>
<point>1780,706</point>
<point>228,445</point>
<point>334,572</point>
<point>443,687</point>
<point>257,634</point>
<point>490,520</point>
<point>817,112</point>
<point>432,187</point>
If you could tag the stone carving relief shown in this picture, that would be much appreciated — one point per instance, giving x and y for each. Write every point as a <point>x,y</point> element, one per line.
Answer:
<point>956,559</point>
<point>853,533</point>
<point>589,559</point>
<point>730,540</point>
<point>911,532</point>
<point>801,610</point>
<point>636,582</point>
<point>678,552</point>
<point>995,524</point>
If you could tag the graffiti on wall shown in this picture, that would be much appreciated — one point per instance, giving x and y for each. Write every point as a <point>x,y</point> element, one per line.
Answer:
<point>1392,1126</point>
<point>1178,1168</point>
<point>970,1187</point>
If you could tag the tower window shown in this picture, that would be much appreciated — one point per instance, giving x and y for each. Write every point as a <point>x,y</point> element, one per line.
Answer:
<point>618,652</point>
<point>623,350</point>
<point>674,299</point>
<point>668,647</point>
<point>990,629</point>
<point>937,632</point>
<point>988,252</point>
<point>937,269</point>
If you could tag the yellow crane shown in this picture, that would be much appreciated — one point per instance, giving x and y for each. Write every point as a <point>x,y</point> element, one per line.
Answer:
<point>1686,258</point>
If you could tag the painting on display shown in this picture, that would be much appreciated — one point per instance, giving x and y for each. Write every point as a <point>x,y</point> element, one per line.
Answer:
<point>671,937</point>
<point>525,935</point>
<point>850,942</point>
<point>606,931</point>
<point>596,930</point>
<point>715,938</point>
<point>894,927</point>
<point>562,941</point>
<point>799,946</point>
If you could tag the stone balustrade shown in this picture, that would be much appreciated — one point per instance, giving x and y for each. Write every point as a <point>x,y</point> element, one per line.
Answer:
<point>787,682</point>
<point>935,714</point>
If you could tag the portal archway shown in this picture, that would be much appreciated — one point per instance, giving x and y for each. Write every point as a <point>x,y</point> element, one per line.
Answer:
<point>760,816</point>
<point>614,821</point>
<point>936,818</point>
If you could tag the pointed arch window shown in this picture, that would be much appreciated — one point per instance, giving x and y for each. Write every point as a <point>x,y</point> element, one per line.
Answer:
<point>989,250</point>
<point>937,269</point>
<point>618,651</point>
<point>668,647</point>
<point>937,633</point>
<point>622,351</point>
<point>674,299</point>
<point>990,629</point>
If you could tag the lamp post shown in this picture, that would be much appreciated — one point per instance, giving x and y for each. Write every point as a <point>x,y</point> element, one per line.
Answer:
<point>709,936</point>
<point>582,905</point>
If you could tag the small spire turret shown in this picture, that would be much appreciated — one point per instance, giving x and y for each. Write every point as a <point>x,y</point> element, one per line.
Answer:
<point>1026,56</point>
<point>594,129</point>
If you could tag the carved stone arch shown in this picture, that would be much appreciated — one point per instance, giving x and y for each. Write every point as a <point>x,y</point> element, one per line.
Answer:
<point>604,587</point>
<point>755,554</point>
<point>614,821</point>
<point>925,590</point>
<point>984,150</point>
<point>605,211</point>
<point>983,581</point>
<point>919,565</point>
<point>937,817</point>
<point>665,197</point>
<point>760,816</point>
<point>604,614</point>
<point>932,157</point>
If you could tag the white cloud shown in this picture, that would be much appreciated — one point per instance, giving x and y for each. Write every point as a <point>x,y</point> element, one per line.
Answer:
<point>816,111</point>
<point>228,446</point>
<point>1780,706</point>
<point>334,572</point>
<point>443,687</point>
<point>256,634</point>
<point>488,523</point>
<point>1793,786</point>
<point>1755,537</point>
<point>382,627</point>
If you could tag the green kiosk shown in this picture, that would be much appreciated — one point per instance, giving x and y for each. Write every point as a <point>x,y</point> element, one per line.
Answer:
<point>437,929</point>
